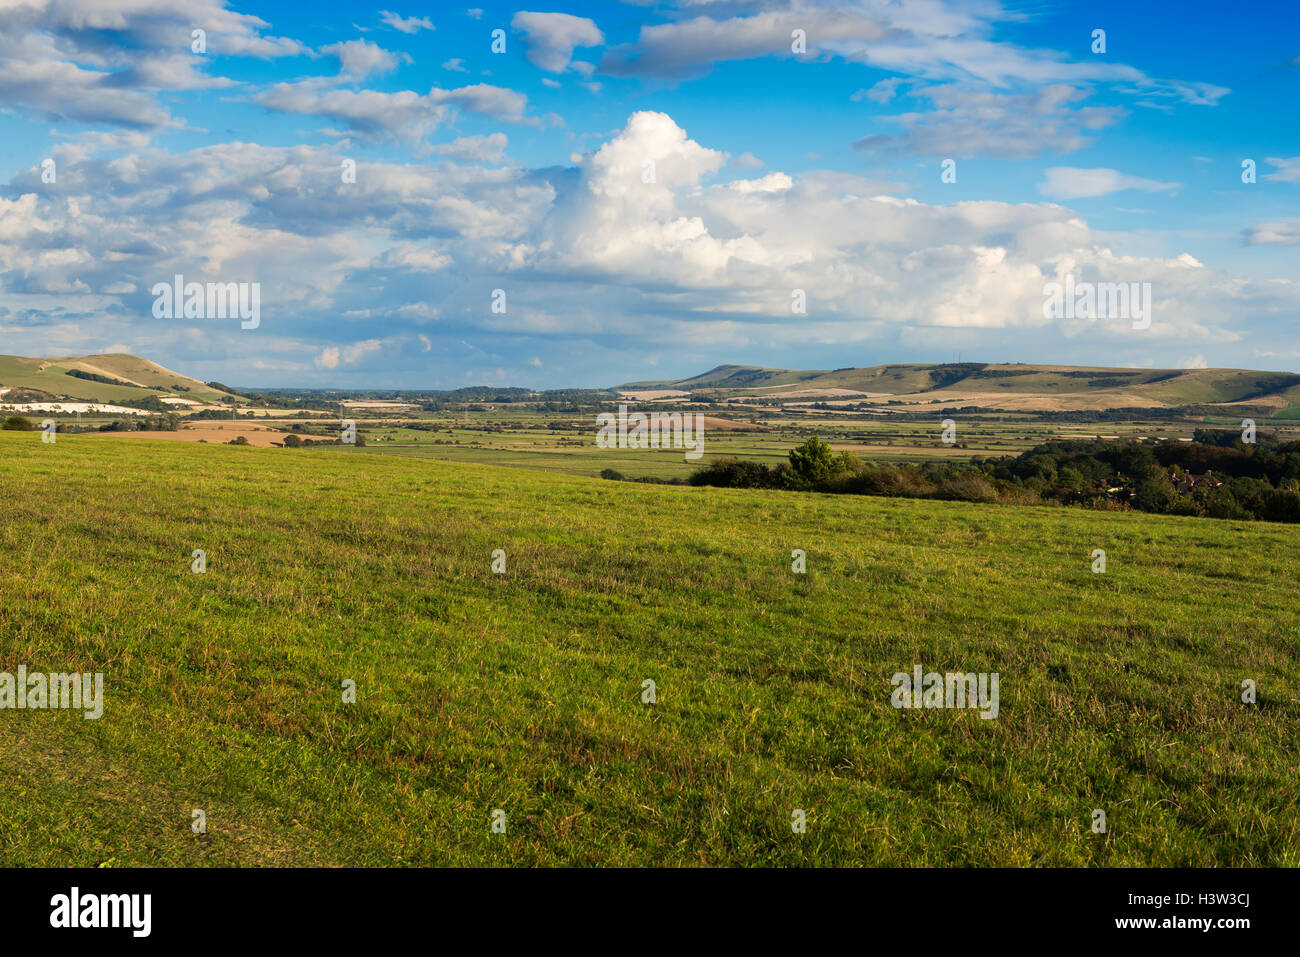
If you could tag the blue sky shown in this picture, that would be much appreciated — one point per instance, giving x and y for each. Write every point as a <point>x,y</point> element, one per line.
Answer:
<point>525,171</point>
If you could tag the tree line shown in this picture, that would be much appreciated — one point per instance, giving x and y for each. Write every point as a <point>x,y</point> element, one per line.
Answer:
<point>1215,475</point>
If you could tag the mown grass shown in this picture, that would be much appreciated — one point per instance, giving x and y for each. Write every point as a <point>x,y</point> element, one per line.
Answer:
<point>522,691</point>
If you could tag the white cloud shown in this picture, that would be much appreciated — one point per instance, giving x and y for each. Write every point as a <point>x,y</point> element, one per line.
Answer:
<point>689,47</point>
<point>937,40</point>
<point>404,115</point>
<point>360,58</point>
<point>966,123</point>
<point>475,149</point>
<point>1282,232</point>
<point>331,357</point>
<point>881,92</point>
<point>551,37</point>
<point>87,61</point>
<point>866,260</point>
<point>1288,169</point>
<point>359,350</point>
<point>771,183</point>
<point>456,64</point>
<point>1070,182</point>
<point>407,25</point>
<point>700,256</point>
<point>411,257</point>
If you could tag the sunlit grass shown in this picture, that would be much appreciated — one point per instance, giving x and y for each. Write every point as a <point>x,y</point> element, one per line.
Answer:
<point>522,691</point>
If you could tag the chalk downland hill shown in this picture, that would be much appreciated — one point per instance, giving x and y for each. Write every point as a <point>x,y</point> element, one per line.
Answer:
<point>128,377</point>
<point>1005,386</point>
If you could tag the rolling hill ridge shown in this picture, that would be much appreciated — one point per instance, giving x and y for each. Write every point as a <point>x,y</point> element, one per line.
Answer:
<point>107,378</point>
<point>1009,386</point>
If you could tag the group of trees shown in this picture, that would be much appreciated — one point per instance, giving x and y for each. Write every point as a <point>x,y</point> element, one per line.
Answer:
<point>292,441</point>
<point>163,422</point>
<point>1232,480</point>
<point>95,377</point>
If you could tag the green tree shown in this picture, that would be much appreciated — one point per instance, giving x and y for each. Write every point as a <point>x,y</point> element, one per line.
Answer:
<point>811,463</point>
<point>1155,494</point>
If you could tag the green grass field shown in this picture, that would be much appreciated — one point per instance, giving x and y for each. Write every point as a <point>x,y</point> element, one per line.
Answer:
<point>523,440</point>
<point>522,692</point>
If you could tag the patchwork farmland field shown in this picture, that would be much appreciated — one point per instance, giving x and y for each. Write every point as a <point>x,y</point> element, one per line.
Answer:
<point>528,441</point>
<point>522,691</point>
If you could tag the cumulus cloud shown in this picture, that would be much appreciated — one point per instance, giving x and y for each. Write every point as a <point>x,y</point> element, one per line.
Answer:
<point>771,183</point>
<point>683,253</point>
<point>359,350</point>
<point>39,82</point>
<point>991,97</point>
<point>405,25</point>
<point>940,40</point>
<point>333,357</point>
<point>474,149</point>
<point>622,216</point>
<point>550,38</point>
<point>1071,182</point>
<point>412,257</point>
<point>966,123</point>
<point>864,259</point>
<point>74,149</point>
<point>360,58</point>
<point>100,63</point>
<point>690,47</point>
<point>402,115</point>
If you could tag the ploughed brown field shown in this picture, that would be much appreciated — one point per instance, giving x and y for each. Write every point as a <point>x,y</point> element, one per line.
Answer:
<point>214,433</point>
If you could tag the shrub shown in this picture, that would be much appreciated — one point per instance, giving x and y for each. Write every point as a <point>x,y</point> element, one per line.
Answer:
<point>733,473</point>
<point>967,488</point>
<point>16,423</point>
<point>1281,505</point>
<point>1221,503</point>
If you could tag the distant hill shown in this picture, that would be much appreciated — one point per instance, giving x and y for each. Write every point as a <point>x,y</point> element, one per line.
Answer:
<point>101,378</point>
<point>1006,386</point>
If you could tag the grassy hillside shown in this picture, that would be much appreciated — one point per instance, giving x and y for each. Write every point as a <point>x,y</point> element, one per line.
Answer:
<point>1081,386</point>
<point>134,378</point>
<point>522,691</point>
